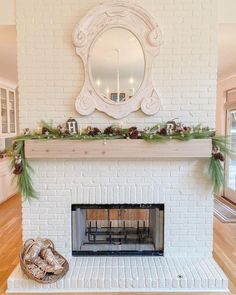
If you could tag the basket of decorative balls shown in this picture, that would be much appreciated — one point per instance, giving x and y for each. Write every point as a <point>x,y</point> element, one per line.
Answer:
<point>41,262</point>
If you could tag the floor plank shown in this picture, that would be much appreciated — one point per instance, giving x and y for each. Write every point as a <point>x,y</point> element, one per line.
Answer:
<point>11,239</point>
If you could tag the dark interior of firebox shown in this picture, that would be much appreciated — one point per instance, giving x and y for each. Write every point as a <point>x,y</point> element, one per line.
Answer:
<point>117,229</point>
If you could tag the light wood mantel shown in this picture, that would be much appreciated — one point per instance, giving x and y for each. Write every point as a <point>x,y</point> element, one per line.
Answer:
<point>115,149</point>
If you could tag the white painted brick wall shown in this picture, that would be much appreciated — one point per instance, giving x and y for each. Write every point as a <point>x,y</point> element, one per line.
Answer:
<point>182,186</point>
<point>50,78</point>
<point>51,75</point>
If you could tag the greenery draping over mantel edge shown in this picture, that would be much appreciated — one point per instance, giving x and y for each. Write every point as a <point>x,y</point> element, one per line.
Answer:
<point>159,133</point>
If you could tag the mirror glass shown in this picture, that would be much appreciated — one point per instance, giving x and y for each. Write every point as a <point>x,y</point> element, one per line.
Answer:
<point>117,65</point>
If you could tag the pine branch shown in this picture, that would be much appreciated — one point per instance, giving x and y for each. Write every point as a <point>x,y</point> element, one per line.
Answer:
<point>215,168</point>
<point>24,181</point>
<point>216,173</point>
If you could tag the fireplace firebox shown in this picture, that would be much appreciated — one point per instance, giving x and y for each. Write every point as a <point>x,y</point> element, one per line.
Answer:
<point>117,229</point>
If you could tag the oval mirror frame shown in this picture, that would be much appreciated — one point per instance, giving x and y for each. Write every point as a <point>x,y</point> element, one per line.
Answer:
<point>129,16</point>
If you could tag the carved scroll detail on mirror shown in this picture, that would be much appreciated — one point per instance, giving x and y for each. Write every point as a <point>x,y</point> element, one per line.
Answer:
<point>117,41</point>
<point>151,104</point>
<point>85,104</point>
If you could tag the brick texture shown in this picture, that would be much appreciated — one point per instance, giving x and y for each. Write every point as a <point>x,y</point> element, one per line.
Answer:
<point>51,74</point>
<point>184,73</point>
<point>182,186</point>
<point>117,274</point>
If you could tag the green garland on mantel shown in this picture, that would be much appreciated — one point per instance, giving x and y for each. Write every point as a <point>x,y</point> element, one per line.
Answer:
<point>159,133</point>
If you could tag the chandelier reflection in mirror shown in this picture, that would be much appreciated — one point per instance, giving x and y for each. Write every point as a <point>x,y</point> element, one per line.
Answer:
<point>117,42</point>
<point>117,65</point>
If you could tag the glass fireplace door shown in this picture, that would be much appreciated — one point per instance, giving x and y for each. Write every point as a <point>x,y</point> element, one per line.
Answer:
<point>230,164</point>
<point>117,229</point>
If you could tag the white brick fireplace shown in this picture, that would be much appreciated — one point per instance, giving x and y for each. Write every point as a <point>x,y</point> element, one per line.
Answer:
<point>181,185</point>
<point>50,76</point>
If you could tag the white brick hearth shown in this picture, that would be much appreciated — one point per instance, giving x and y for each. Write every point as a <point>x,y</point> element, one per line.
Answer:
<point>147,274</point>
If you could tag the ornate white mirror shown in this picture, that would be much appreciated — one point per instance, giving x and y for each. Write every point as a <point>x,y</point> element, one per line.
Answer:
<point>117,42</point>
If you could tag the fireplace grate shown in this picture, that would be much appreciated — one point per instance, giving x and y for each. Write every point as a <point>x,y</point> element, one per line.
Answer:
<point>118,235</point>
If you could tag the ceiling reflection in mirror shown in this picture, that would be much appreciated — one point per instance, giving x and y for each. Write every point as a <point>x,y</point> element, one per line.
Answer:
<point>117,65</point>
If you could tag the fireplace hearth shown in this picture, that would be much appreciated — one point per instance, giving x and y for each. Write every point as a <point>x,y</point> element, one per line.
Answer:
<point>117,229</point>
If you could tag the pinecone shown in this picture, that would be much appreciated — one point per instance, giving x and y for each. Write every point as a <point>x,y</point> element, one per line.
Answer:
<point>93,131</point>
<point>45,131</point>
<point>118,131</point>
<point>109,131</point>
<point>96,131</point>
<point>18,165</point>
<point>133,133</point>
<point>163,131</point>
<point>216,153</point>
<point>186,129</point>
<point>18,169</point>
<point>221,157</point>
<point>218,156</point>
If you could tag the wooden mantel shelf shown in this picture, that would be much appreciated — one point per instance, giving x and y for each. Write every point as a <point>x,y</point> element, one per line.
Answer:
<point>115,149</point>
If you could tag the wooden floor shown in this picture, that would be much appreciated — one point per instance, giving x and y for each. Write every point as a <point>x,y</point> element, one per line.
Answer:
<point>10,241</point>
<point>10,237</point>
<point>225,249</point>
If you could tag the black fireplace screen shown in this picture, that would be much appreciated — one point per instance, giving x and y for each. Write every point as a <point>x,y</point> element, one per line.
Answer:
<point>117,229</point>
